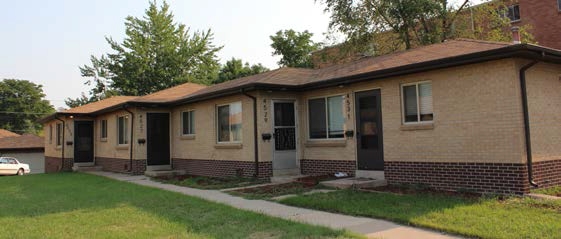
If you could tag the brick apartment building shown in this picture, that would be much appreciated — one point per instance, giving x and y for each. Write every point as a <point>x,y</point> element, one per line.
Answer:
<point>543,15</point>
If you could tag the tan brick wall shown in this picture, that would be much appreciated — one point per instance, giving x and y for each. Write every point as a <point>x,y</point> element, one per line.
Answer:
<point>51,149</point>
<point>478,117</point>
<point>544,103</point>
<point>108,148</point>
<point>204,145</point>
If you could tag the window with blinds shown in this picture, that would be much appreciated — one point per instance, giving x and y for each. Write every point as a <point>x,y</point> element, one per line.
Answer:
<point>326,118</point>
<point>417,102</point>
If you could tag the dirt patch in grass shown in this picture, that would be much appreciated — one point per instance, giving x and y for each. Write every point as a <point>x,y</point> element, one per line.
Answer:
<point>419,189</point>
<point>271,191</point>
<point>552,191</point>
<point>210,182</point>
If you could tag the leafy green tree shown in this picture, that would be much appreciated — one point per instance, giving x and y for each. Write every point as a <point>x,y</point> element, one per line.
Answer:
<point>379,27</point>
<point>489,21</point>
<point>412,22</point>
<point>235,68</point>
<point>156,54</point>
<point>22,103</point>
<point>295,48</point>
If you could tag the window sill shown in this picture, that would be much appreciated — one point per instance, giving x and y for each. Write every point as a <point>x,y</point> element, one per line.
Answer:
<point>187,137</point>
<point>412,127</point>
<point>103,139</point>
<point>58,147</point>
<point>228,146</point>
<point>122,147</point>
<point>326,143</point>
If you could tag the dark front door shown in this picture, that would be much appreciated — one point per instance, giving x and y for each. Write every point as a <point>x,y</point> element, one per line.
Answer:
<point>157,140</point>
<point>370,154</point>
<point>83,142</point>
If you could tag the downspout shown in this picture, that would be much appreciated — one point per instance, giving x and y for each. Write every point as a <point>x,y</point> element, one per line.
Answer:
<point>255,140</point>
<point>62,143</point>
<point>528,140</point>
<point>131,138</point>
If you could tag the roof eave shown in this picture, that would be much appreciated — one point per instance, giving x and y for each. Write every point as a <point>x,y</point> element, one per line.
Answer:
<point>520,50</point>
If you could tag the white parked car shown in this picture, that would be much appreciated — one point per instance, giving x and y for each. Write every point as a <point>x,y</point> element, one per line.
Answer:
<point>11,166</point>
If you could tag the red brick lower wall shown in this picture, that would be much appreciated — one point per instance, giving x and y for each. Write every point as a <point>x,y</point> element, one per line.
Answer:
<point>323,167</point>
<point>222,168</point>
<point>121,165</point>
<point>481,177</point>
<point>547,173</point>
<point>53,164</point>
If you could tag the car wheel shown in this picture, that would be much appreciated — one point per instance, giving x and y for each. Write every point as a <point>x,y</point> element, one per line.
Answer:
<point>20,172</point>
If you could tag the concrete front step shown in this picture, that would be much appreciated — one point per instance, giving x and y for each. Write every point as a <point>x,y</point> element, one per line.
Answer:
<point>86,168</point>
<point>345,183</point>
<point>164,173</point>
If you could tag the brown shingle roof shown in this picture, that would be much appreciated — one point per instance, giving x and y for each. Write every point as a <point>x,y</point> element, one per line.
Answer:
<point>99,105</point>
<point>5,133</point>
<point>291,77</point>
<point>451,48</point>
<point>26,141</point>
<point>171,94</point>
<point>418,59</point>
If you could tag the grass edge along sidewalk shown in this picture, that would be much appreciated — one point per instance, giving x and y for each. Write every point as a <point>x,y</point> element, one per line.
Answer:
<point>76,205</point>
<point>485,217</point>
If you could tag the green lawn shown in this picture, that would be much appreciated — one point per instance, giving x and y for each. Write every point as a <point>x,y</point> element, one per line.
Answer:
<point>479,217</point>
<point>72,205</point>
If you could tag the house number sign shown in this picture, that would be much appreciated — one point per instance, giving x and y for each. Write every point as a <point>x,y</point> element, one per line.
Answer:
<point>265,113</point>
<point>140,123</point>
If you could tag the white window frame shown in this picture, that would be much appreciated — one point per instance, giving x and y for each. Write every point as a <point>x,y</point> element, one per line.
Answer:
<point>326,116</point>
<point>59,131</point>
<point>191,131</point>
<point>402,88</point>
<point>217,125</point>
<point>508,9</point>
<point>102,129</point>
<point>126,129</point>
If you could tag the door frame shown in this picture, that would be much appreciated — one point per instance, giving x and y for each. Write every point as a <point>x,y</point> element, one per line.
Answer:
<point>170,121</point>
<point>296,128</point>
<point>92,163</point>
<point>355,125</point>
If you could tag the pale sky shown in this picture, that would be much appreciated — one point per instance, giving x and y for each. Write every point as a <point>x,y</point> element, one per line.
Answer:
<point>46,41</point>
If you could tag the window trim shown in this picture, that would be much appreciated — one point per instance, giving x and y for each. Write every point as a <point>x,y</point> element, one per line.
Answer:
<point>326,117</point>
<point>402,95</point>
<point>103,130</point>
<point>189,111</point>
<point>230,125</point>
<point>127,131</point>
<point>508,11</point>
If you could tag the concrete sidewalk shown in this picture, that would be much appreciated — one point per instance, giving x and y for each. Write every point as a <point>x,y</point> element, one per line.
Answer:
<point>372,228</point>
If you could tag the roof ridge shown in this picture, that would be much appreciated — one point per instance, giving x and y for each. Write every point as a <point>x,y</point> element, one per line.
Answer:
<point>483,41</point>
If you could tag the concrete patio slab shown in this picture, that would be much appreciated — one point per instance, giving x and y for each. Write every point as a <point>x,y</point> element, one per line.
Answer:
<point>345,183</point>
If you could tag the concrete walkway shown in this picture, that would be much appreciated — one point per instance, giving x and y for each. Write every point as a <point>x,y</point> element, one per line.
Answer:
<point>372,228</point>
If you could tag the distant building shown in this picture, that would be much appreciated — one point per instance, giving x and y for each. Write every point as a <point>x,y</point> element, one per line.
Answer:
<point>543,15</point>
<point>27,148</point>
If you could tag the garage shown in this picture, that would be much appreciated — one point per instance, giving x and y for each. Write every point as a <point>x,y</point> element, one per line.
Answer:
<point>27,149</point>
